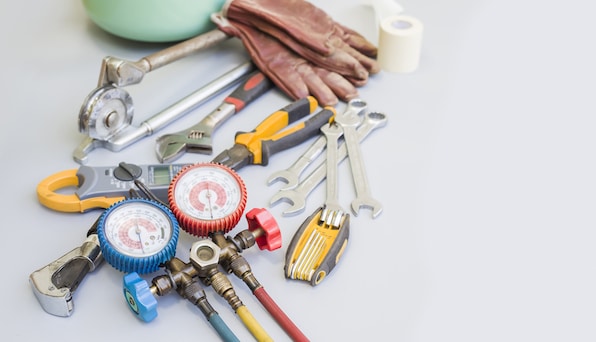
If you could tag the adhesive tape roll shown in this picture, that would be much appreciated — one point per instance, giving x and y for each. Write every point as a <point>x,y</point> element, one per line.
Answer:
<point>400,41</point>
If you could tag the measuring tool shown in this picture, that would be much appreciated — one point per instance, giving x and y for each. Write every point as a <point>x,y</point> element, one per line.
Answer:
<point>207,197</point>
<point>137,235</point>
<point>100,187</point>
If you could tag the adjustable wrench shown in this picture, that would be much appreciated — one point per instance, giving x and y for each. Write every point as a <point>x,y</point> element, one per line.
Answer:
<point>296,197</point>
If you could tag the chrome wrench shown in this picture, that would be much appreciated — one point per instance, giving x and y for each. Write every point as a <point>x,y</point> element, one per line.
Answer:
<point>363,197</point>
<point>292,174</point>
<point>296,197</point>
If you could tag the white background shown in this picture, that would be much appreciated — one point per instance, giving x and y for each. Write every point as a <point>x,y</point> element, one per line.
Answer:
<point>486,172</point>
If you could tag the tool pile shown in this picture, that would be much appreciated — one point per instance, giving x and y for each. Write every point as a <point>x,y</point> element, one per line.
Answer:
<point>144,206</point>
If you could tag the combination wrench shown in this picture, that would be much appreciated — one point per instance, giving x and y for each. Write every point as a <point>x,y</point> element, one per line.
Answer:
<point>291,175</point>
<point>348,123</point>
<point>296,196</point>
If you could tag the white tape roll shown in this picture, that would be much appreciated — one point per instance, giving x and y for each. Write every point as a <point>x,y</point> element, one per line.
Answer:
<point>400,42</point>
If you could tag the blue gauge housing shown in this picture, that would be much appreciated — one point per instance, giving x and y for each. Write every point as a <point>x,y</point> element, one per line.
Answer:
<point>129,262</point>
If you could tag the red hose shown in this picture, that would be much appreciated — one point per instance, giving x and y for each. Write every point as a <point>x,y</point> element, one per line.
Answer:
<point>282,319</point>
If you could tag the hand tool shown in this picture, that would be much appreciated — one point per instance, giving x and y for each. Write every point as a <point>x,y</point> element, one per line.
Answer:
<point>258,145</point>
<point>296,197</point>
<point>207,197</point>
<point>55,283</point>
<point>363,198</point>
<point>106,114</point>
<point>100,187</point>
<point>198,137</point>
<point>320,241</point>
<point>119,72</point>
<point>137,235</point>
<point>291,175</point>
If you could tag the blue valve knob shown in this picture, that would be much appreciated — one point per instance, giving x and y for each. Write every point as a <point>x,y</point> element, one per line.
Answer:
<point>139,297</point>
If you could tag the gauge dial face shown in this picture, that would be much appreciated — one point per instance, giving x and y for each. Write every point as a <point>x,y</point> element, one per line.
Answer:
<point>138,229</point>
<point>208,192</point>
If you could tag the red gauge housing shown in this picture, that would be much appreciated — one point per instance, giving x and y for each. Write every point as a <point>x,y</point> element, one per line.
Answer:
<point>206,198</point>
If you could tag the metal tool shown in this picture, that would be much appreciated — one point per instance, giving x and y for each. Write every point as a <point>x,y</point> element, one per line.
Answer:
<point>297,196</point>
<point>106,115</point>
<point>258,145</point>
<point>292,174</point>
<point>363,198</point>
<point>137,235</point>
<point>320,241</point>
<point>121,72</point>
<point>100,187</point>
<point>55,283</point>
<point>197,139</point>
<point>207,197</point>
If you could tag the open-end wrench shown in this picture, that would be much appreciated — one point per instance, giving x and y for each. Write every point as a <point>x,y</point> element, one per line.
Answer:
<point>296,197</point>
<point>349,123</point>
<point>292,174</point>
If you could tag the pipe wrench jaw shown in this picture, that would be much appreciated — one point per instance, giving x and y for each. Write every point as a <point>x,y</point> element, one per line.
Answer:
<point>54,284</point>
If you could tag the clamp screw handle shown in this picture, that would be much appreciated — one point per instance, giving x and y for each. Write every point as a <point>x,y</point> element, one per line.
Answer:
<point>265,228</point>
<point>139,297</point>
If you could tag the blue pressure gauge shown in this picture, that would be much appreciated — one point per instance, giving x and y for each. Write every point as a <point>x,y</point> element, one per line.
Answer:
<point>137,235</point>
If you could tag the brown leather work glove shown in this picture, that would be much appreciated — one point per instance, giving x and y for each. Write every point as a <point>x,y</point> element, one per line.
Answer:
<point>310,33</point>
<point>294,38</point>
<point>292,74</point>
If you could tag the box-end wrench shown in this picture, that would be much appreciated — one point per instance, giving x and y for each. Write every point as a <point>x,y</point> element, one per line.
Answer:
<point>296,197</point>
<point>349,123</point>
<point>291,175</point>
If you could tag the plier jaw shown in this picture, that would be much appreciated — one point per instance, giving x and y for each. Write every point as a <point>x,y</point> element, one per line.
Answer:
<point>235,158</point>
<point>272,134</point>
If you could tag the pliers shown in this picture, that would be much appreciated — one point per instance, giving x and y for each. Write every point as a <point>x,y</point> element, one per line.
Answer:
<point>256,146</point>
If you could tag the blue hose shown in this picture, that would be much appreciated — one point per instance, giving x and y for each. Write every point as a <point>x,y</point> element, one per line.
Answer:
<point>222,329</point>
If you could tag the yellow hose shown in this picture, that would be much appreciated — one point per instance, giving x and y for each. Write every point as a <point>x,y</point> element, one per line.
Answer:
<point>253,326</point>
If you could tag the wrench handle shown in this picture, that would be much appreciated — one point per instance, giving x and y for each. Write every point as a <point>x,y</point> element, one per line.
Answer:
<point>181,50</point>
<point>249,90</point>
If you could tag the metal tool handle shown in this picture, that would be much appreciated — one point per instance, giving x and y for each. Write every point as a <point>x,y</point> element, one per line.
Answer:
<point>191,101</point>
<point>122,72</point>
<point>183,49</point>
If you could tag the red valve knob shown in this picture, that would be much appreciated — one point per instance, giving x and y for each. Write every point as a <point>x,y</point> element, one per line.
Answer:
<point>270,235</point>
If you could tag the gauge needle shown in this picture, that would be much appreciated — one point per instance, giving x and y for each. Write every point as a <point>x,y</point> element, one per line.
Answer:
<point>138,232</point>
<point>209,201</point>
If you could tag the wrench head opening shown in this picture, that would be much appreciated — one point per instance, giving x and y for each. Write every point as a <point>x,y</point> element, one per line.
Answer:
<point>297,203</point>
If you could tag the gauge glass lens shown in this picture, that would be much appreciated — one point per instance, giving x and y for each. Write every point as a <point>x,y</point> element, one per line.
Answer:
<point>207,193</point>
<point>138,229</point>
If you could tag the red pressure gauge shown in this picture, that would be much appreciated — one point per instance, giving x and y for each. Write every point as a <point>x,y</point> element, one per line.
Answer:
<point>207,197</point>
